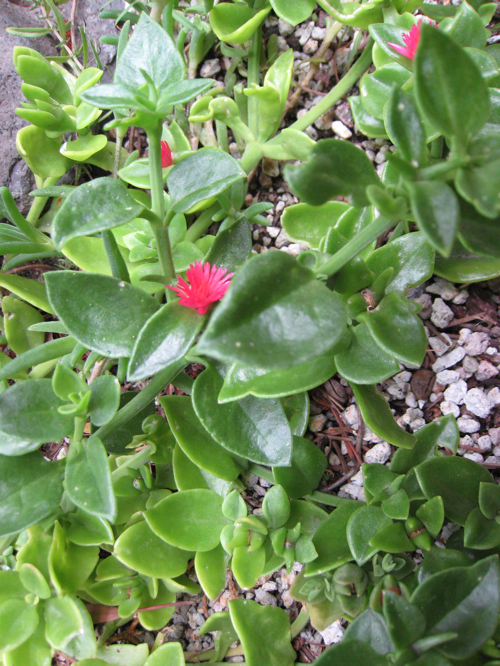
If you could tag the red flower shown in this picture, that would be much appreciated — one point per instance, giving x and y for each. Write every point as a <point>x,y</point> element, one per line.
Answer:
<point>411,40</point>
<point>166,155</point>
<point>206,285</point>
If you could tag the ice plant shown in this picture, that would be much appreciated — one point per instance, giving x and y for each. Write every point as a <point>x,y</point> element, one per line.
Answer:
<point>205,285</point>
<point>166,155</point>
<point>411,40</point>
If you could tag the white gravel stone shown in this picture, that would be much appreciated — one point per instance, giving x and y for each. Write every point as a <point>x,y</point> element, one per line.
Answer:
<point>456,392</point>
<point>398,391</point>
<point>442,288</point>
<point>461,297</point>
<point>484,443</point>
<point>411,400</point>
<point>357,479</point>
<point>311,46</point>
<point>477,343</point>
<point>470,364</point>
<point>380,453</point>
<point>351,416</point>
<point>491,351</point>
<point>417,424</point>
<point>446,377</point>
<point>464,334</point>
<point>210,68</point>
<point>494,397</point>
<point>295,249</point>
<point>449,360</point>
<point>317,423</point>
<point>494,433</point>
<point>448,407</point>
<point>441,315</point>
<point>477,402</point>
<point>333,633</point>
<point>486,370</point>
<point>273,231</point>
<point>265,598</point>
<point>439,346</point>
<point>285,28</point>
<point>468,425</point>
<point>404,376</point>
<point>318,33</point>
<point>473,455</point>
<point>281,240</point>
<point>341,130</point>
<point>352,490</point>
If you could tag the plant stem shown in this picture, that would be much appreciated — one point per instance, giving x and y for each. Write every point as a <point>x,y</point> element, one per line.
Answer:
<point>39,202</point>
<point>262,472</point>
<point>157,9</point>
<point>325,498</point>
<point>442,168</point>
<point>78,430</point>
<point>355,245</point>
<point>300,622</point>
<point>253,77</point>
<point>143,398</point>
<point>437,148</point>
<point>118,149</point>
<point>338,91</point>
<point>116,261</point>
<point>160,232</point>
<point>198,228</point>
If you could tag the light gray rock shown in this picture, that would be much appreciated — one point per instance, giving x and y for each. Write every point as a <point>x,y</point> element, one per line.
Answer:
<point>484,443</point>
<point>317,423</point>
<point>461,297</point>
<point>494,433</point>
<point>333,633</point>
<point>448,407</point>
<point>341,130</point>
<point>470,364</point>
<point>265,598</point>
<point>464,334</point>
<point>446,290</point>
<point>473,455</point>
<point>440,346</point>
<point>210,68</point>
<point>446,377</point>
<point>494,397</point>
<point>380,453</point>
<point>468,425</point>
<point>295,249</point>
<point>449,360</point>
<point>486,370</point>
<point>441,315</point>
<point>477,343</point>
<point>285,28</point>
<point>281,240</point>
<point>477,402</point>
<point>456,392</point>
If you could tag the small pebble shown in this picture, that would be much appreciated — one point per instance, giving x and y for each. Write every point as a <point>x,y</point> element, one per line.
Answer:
<point>473,455</point>
<point>470,364</point>
<point>210,68</point>
<point>477,343</point>
<point>494,396</point>
<point>380,453</point>
<point>333,633</point>
<point>494,433</point>
<point>468,425</point>
<point>464,334</point>
<point>486,370</point>
<point>448,360</point>
<point>447,407</point>
<point>341,130</point>
<point>446,377</point>
<point>285,28</point>
<point>484,443</point>
<point>265,598</point>
<point>281,240</point>
<point>442,315</point>
<point>477,402</point>
<point>456,392</point>
<point>443,288</point>
<point>439,345</point>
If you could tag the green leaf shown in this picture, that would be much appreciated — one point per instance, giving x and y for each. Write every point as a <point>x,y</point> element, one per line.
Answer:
<point>335,168</point>
<point>440,559</point>
<point>404,127</point>
<point>124,655</point>
<point>442,71</point>
<point>210,570</point>
<point>362,526</point>
<point>34,651</point>
<point>456,480</point>
<point>248,566</point>
<point>242,380</point>
<point>195,441</point>
<point>365,122</point>
<point>412,258</point>
<point>104,313</point>
<point>163,340</point>
<point>17,319</point>
<point>86,529</point>
<point>309,224</point>
<point>467,28</point>
<point>63,622</point>
<point>364,361</point>
<point>397,329</point>
<point>397,506</point>
<point>30,490</point>
<point>276,506</point>
<point>41,153</point>
<point>252,428</point>
<point>378,417</point>
<point>264,632</point>
<point>168,654</point>
<point>308,465</point>
<point>151,50</point>
<point>441,432</point>
<point>405,622</point>
<point>190,520</point>
<point>88,479</point>
<point>477,185</point>
<point>432,515</point>
<point>34,581</point>
<point>141,549</point>
<point>435,207</point>
<point>392,539</point>
<point>331,541</point>
<point>232,246</point>
<point>18,620</point>
<point>376,88</point>
<point>296,409</point>
<point>111,96</point>
<point>201,175</point>
<point>104,399</point>
<point>28,290</point>
<point>480,532</point>
<point>294,13</point>
<point>463,600</point>
<point>100,204</point>
<point>70,565</point>
<point>259,326</point>
<point>478,233</point>
<point>157,619</point>
<point>117,440</point>
<point>351,652</point>
<point>308,515</point>
<point>489,499</point>
<point>370,628</point>
<point>236,23</point>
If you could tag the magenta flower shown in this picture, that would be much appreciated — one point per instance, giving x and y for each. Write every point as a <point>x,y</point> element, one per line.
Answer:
<point>411,40</point>
<point>166,155</point>
<point>206,284</point>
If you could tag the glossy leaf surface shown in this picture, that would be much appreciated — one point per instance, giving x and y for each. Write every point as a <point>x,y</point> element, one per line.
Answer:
<point>436,210</point>
<point>362,526</point>
<point>364,361</point>
<point>308,465</point>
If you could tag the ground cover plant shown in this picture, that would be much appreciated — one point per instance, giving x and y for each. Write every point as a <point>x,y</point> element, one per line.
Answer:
<point>157,287</point>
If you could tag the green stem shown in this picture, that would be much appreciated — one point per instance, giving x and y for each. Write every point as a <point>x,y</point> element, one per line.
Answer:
<point>253,77</point>
<point>443,168</point>
<point>143,398</point>
<point>437,148</point>
<point>252,156</point>
<point>356,245</point>
<point>325,498</point>
<point>300,623</point>
<point>165,255</point>
<point>116,261</point>
<point>39,203</point>
<point>262,472</point>
<point>133,462</point>
<point>157,9</point>
<point>338,91</point>
<point>78,430</point>
<point>118,150</point>
<point>198,228</point>
<point>222,135</point>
